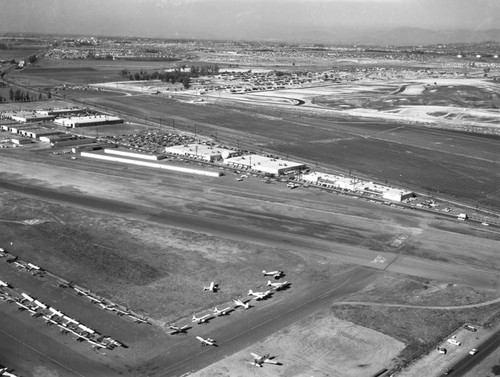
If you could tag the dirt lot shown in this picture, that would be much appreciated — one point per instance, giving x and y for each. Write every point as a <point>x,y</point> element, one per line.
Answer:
<point>321,345</point>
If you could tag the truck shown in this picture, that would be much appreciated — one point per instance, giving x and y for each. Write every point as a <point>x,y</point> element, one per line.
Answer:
<point>462,216</point>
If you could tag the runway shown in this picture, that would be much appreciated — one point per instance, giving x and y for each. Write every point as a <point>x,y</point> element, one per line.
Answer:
<point>412,265</point>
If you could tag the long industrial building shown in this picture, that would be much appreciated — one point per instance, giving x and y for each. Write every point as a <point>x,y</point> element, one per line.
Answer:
<point>264,164</point>
<point>157,165</point>
<point>95,120</point>
<point>202,151</point>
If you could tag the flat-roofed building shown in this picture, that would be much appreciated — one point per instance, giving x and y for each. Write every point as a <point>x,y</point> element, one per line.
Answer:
<point>36,133</point>
<point>59,112</point>
<point>30,117</point>
<point>202,151</point>
<point>264,164</point>
<point>335,181</point>
<point>397,195</point>
<point>61,136</point>
<point>142,156</point>
<point>94,120</point>
<point>20,141</point>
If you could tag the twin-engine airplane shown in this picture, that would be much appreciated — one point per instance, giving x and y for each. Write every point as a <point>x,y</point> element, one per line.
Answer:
<point>260,295</point>
<point>224,311</point>
<point>177,330</point>
<point>212,287</point>
<point>207,341</point>
<point>278,286</point>
<point>201,319</point>
<point>259,361</point>
<point>238,302</point>
<point>275,274</point>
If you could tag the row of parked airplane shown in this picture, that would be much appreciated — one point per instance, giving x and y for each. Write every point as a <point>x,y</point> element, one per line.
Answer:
<point>213,287</point>
<point>53,316</point>
<point>103,303</point>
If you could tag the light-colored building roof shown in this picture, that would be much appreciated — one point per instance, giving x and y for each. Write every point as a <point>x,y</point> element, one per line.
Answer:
<point>264,164</point>
<point>203,151</point>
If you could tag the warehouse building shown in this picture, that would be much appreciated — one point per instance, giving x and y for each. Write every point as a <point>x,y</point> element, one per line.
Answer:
<point>61,136</point>
<point>334,181</point>
<point>37,132</point>
<point>59,112</point>
<point>30,117</point>
<point>95,120</point>
<point>202,151</point>
<point>264,164</point>
<point>397,195</point>
<point>142,156</point>
<point>150,164</point>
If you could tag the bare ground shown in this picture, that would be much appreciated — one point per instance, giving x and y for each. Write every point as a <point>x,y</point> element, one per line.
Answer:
<point>321,345</point>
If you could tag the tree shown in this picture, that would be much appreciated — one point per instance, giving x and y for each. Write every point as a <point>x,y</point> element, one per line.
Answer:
<point>186,82</point>
<point>11,94</point>
<point>137,76</point>
<point>17,95</point>
<point>32,59</point>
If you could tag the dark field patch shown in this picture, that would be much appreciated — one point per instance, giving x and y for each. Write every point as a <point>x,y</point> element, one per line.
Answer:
<point>389,97</point>
<point>419,329</point>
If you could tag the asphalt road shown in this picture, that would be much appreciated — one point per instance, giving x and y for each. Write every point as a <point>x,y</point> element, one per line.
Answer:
<point>490,345</point>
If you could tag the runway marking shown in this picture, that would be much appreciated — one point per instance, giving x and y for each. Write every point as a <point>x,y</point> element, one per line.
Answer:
<point>379,259</point>
<point>41,353</point>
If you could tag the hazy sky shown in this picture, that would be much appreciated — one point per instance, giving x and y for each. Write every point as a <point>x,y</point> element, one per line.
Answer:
<point>243,19</point>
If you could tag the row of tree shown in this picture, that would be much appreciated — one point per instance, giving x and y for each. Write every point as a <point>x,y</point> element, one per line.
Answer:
<point>19,95</point>
<point>180,75</point>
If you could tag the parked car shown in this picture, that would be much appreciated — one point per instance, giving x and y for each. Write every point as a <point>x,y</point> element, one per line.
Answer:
<point>454,342</point>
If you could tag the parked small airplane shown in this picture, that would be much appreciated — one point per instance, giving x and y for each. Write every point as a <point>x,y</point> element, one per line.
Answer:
<point>201,319</point>
<point>260,295</point>
<point>212,287</point>
<point>276,274</point>
<point>278,286</point>
<point>177,330</point>
<point>207,341</point>
<point>4,284</point>
<point>224,311</point>
<point>245,304</point>
<point>260,360</point>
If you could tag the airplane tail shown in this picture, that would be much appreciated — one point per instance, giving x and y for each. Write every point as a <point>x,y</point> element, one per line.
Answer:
<point>269,283</point>
<point>250,292</point>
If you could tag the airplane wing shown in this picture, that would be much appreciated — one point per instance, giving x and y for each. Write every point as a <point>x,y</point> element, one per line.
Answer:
<point>270,361</point>
<point>255,356</point>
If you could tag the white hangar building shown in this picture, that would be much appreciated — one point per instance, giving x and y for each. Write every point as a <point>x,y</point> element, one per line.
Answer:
<point>264,164</point>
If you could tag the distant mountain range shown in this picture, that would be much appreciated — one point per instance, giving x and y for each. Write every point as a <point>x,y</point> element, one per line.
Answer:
<point>372,22</point>
<point>402,36</point>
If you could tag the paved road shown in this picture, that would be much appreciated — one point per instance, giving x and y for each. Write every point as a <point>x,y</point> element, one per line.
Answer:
<point>490,345</point>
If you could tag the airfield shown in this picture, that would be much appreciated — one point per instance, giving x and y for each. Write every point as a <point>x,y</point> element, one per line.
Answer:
<point>373,287</point>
